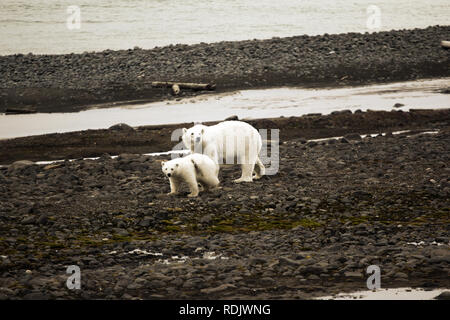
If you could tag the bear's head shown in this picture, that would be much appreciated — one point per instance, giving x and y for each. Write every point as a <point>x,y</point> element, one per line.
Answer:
<point>169,168</point>
<point>193,137</point>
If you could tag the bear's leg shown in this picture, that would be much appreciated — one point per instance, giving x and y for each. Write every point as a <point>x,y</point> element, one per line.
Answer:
<point>247,160</point>
<point>191,180</point>
<point>260,170</point>
<point>173,186</point>
<point>212,152</point>
<point>247,173</point>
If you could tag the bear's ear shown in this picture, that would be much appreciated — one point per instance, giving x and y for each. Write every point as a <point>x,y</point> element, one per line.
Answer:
<point>162,162</point>
<point>184,130</point>
<point>203,131</point>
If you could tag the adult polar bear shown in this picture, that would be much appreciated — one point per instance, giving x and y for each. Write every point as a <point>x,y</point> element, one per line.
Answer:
<point>229,142</point>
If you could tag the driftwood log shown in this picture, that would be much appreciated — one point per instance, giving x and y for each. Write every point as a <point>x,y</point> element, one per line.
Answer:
<point>445,44</point>
<point>184,85</point>
<point>20,110</point>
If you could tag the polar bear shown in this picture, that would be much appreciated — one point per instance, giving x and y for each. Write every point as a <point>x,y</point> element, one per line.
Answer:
<point>229,142</point>
<point>193,169</point>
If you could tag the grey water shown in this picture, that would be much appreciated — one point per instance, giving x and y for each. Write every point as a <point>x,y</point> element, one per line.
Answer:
<point>246,104</point>
<point>51,26</point>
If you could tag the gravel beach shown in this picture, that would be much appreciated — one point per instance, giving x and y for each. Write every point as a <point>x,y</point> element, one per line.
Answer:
<point>71,82</point>
<point>334,208</point>
<point>122,138</point>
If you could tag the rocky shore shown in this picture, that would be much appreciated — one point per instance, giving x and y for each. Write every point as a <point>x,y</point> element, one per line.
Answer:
<point>71,82</point>
<point>334,208</point>
<point>122,138</point>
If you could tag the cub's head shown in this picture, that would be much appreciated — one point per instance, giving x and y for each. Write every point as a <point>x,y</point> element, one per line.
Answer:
<point>169,168</point>
<point>193,136</point>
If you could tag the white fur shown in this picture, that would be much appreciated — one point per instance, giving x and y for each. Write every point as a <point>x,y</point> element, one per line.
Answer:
<point>229,142</point>
<point>179,170</point>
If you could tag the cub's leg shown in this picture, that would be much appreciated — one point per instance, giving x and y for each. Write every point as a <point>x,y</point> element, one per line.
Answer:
<point>191,180</point>
<point>174,186</point>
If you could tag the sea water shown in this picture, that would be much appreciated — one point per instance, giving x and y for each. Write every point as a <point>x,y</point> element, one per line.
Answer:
<point>65,26</point>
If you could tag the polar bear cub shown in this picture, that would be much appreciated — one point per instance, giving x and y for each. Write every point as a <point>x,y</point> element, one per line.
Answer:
<point>229,142</point>
<point>193,169</point>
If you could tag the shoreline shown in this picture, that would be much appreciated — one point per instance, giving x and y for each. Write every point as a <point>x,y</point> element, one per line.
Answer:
<point>74,82</point>
<point>156,138</point>
<point>245,104</point>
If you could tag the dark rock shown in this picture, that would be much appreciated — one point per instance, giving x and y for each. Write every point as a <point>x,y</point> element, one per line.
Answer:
<point>20,110</point>
<point>121,232</point>
<point>258,260</point>
<point>346,111</point>
<point>121,127</point>
<point>29,220</point>
<point>207,219</point>
<point>220,288</point>
<point>443,296</point>
<point>287,261</point>
<point>332,141</point>
<point>146,222</point>
<point>313,114</point>
<point>36,296</point>
<point>21,164</point>
<point>350,274</point>
<point>127,157</point>
<point>156,284</point>
<point>43,219</point>
<point>353,136</point>
<point>267,281</point>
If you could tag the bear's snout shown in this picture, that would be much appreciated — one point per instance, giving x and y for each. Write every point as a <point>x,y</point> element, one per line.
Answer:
<point>197,139</point>
<point>168,175</point>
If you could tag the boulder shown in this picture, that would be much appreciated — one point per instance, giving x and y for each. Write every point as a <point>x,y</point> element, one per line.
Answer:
<point>121,127</point>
